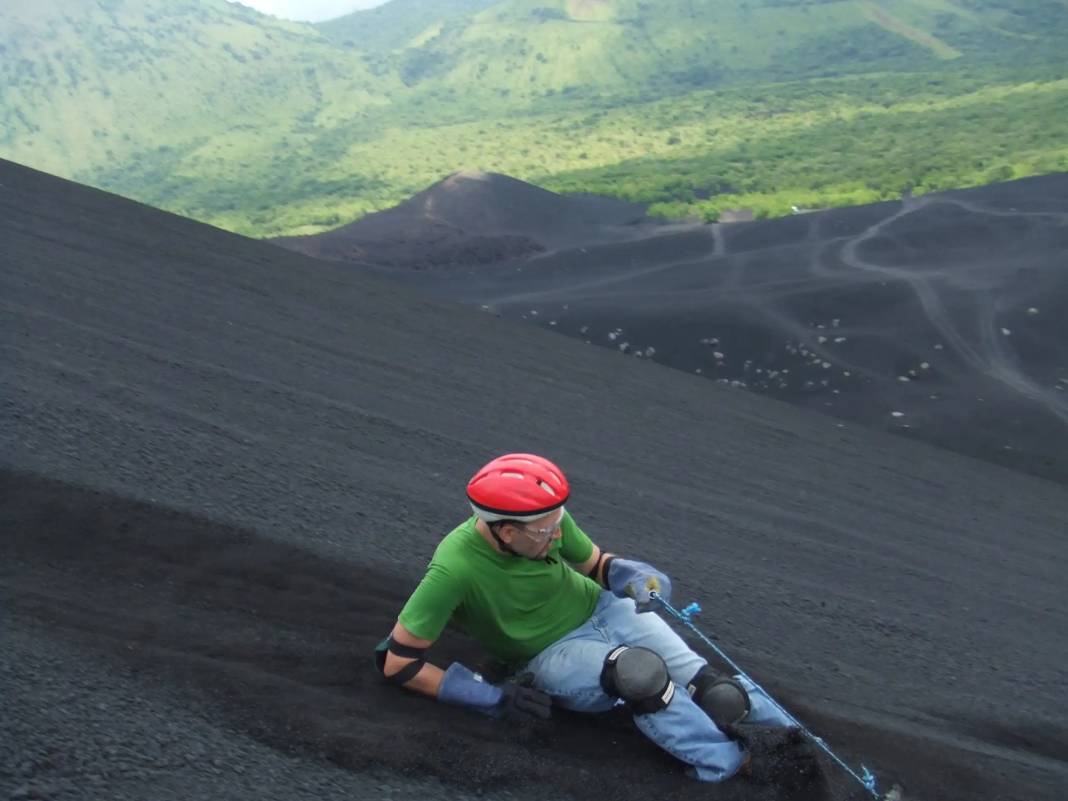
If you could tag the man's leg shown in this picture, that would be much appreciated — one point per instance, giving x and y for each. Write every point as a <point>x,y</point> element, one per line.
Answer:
<point>570,671</point>
<point>651,631</point>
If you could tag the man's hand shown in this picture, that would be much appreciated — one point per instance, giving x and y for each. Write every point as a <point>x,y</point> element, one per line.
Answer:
<point>513,700</point>
<point>629,579</point>
<point>522,701</point>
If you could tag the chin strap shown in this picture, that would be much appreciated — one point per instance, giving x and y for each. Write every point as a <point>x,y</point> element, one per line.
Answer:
<point>504,546</point>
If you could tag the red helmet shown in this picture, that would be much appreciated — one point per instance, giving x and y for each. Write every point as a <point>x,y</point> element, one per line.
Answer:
<point>517,486</point>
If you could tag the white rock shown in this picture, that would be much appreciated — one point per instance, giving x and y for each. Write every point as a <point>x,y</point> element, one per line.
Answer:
<point>938,346</point>
<point>1032,311</point>
<point>839,340</point>
<point>903,379</point>
<point>826,365</point>
<point>1006,332</point>
<point>925,365</point>
<point>717,355</point>
<point>897,414</point>
<point>821,340</point>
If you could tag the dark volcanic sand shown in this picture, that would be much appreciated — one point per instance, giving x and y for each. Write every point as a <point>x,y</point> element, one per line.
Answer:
<point>475,218</point>
<point>941,319</point>
<point>223,466</point>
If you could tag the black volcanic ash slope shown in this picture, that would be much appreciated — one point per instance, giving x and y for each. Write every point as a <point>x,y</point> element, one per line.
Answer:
<point>474,217</point>
<point>224,465</point>
<point>939,318</point>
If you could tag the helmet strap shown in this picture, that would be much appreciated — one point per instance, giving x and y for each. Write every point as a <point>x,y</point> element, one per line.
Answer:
<point>504,546</point>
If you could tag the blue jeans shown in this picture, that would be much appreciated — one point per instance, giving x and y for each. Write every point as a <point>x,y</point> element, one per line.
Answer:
<point>570,671</point>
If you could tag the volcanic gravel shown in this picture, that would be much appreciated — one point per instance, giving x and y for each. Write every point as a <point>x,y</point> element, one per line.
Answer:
<point>223,466</point>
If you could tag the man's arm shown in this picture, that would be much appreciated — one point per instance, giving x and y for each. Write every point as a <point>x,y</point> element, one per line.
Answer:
<point>428,679</point>
<point>461,686</point>
<point>597,560</point>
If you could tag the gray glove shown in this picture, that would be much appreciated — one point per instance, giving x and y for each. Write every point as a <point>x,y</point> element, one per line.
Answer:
<point>513,700</point>
<point>629,579</point>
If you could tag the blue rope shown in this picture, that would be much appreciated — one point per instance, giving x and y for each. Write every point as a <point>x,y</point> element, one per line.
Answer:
<point>867,779</point>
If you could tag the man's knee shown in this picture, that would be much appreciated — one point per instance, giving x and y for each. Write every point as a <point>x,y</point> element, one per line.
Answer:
<point>640,677</point>
<point>722,698</point>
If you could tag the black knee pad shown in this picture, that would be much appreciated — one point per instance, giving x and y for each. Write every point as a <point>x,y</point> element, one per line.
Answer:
<point>722,698</point>
<point>640,677</point>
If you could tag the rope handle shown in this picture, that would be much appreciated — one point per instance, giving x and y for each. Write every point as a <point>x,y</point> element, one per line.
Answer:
<point>686,615</point>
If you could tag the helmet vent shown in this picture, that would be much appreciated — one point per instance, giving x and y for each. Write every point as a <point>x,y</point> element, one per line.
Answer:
<point>547,488</point>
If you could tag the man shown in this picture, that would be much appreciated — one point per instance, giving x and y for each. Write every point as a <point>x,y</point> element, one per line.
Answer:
<point>523,580</point>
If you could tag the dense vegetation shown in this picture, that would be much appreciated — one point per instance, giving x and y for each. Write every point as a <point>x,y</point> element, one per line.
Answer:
<point>694,106</point>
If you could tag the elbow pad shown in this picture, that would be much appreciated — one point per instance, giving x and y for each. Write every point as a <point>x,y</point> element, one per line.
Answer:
<point>406,673</point>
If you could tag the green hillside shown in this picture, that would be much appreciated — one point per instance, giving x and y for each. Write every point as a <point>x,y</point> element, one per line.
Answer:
<point>532,49</point>
<point>86,86</point>
<point>399,23</point>
<point>265,127</point>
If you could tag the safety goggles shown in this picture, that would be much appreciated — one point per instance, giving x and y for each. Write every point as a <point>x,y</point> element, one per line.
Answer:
<point>540,536</point>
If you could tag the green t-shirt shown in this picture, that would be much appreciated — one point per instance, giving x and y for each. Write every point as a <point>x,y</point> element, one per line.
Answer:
<point>514,607</point>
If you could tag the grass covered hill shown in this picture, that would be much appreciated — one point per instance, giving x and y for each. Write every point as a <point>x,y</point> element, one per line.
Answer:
<point>269,128</point>
<point>88,86</point>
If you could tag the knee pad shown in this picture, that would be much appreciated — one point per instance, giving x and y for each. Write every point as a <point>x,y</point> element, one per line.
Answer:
<point>640,677</point>
<point>722,698</point>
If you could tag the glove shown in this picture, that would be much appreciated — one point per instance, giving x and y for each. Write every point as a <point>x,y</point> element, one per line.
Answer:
<point>522,701</point>
<point>628,579</point>
<point>511,700</point>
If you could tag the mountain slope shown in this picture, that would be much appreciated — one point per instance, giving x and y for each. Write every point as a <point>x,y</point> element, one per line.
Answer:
<point>87,86</point>
<point>398,23</point>
<point>937,318</point>
<point>224,466</point>
<point>532,48</point>
<point>207,108</point>
<point>473,217</point>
